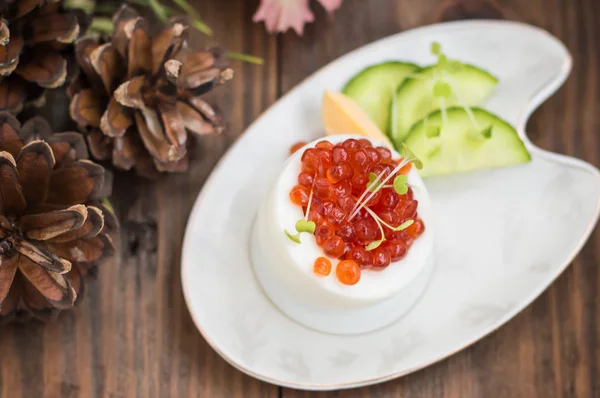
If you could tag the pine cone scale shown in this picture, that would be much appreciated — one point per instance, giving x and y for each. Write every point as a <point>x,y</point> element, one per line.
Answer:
<point>45,226</point>
<point>81,250</point>
<point>8,269</point>
<point>10,137</point>
<point>173,126</point>
<point>153,137</point>
<point>34,302</point>
<point>33,165</point>
<point>53,286</point>
<point>12,201</point>
<point>54,26</point>
<point>86,108</point>
<point>116,120</point>
<point>108,66</point>
<point>4,32</point>
<point>13,94</point>
<point>47,69</point>
<point>193,121</point>
<point>166,43</point>
<point>140,47</point>
<point>9,56</point>
<point>41,256</point>
<point>93,225</point>
<point>75,184</point>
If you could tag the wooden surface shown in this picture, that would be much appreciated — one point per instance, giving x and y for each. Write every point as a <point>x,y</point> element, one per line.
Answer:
<point>133,336</point>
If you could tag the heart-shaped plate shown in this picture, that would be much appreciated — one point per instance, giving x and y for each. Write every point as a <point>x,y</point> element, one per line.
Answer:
<point>502,236</point>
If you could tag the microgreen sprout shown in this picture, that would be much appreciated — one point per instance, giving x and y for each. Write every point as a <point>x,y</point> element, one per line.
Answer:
<point>374,182</point>
<point>487,132</point>
<point>294,238</point>
<point>373,185</point>
<point>376,243</point>
<point>400,184</point>
<point>431,131</point>
<point>380,224</point>
<point>442,90</point>
<point>408,154</point>
<point>445,89</point>
<point>303,224</point>
<point>409,157</point>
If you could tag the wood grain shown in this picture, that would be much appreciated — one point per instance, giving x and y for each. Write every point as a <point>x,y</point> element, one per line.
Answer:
<point>133,336</point>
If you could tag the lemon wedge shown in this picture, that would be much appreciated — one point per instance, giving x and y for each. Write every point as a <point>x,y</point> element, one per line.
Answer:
<point>341,115</point>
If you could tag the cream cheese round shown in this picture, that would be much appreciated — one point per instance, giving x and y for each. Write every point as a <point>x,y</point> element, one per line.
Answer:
<point>285,268</point>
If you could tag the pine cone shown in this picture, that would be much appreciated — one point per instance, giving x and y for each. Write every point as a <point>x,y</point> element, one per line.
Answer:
<point>139,96</point>
<point>34,34</point>
<point>53,229</point>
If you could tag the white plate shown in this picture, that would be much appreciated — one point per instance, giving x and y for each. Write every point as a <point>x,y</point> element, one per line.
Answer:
<point>502,236</point>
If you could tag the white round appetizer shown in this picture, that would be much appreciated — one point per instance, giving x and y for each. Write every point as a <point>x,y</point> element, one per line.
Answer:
<point>343,240</point>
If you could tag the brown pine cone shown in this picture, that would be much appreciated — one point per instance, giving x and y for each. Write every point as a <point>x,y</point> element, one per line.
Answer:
<point>54,230</point>
<point>139,96</point>
<point>34,36</point>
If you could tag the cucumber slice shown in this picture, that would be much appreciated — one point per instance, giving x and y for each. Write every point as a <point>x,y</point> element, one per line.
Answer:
<point>372,89</point>
<point>414,98</point>
<point>458,146</point>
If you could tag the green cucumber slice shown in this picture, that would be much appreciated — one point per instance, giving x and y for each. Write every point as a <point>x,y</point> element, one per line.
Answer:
<point>457,146</point>
<point>414,98</point>
<point>372,89</point>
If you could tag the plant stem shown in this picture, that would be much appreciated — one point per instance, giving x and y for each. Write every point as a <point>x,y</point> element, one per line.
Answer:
<point>246,58</point>
<point>202,27</point>
<point>159,10</point>
<point>403,163</point>
<point>102,25</point>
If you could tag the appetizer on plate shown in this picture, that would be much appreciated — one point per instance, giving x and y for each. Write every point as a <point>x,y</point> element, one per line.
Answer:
<point>343,240</point>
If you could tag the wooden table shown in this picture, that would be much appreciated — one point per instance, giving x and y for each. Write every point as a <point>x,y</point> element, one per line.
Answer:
<point>133,336</point>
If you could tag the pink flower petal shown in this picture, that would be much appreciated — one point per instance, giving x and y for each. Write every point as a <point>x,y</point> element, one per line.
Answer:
<point>280,15</point>
<point>331,5</point>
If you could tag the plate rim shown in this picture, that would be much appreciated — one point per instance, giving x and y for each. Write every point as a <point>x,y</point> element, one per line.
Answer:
<point>532,104</point>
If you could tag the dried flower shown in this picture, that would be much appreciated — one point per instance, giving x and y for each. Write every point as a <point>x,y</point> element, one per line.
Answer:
<point>280,15</point>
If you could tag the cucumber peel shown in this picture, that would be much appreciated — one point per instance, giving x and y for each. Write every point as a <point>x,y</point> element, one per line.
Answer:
<point>373,88</point>
<point>468,140</point>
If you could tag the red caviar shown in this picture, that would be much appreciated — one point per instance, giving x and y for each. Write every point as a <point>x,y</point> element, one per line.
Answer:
<point>339,175</point>
<point>296,146</point>
<point>348,272</point>
<point>322,266</point>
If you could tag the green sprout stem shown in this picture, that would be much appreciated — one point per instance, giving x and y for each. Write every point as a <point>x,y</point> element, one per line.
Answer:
<point>88,6</point>
<point>185,6</point>
<point>443,108</point>
<point>159,10</point>
<point>202,27</point>
<point>303,224</point>
<point>400,227</point>
<point>375,244</point>
<point>362,203</point>
<point>246,58</point>
<point>380,224</point>
<point>442,76</point>
<point>102,25</point>
<point>375,184</point>
<point>105,9</point>
<point>197,21</point>
<point>461,101</point>
<point>310,198</point>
